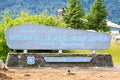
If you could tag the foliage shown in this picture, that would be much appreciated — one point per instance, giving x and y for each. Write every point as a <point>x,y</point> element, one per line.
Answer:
<point>73,14</point>
<point>97,17</point>
<point>41,19</point>
<point>15,7</point>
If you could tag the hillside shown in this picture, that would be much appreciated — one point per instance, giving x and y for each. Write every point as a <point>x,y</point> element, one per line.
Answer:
<point>15,7</point>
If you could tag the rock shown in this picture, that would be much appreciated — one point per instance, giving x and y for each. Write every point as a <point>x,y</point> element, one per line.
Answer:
<point>12,61</point>
<point>27,75</point>
<point>2,65</point>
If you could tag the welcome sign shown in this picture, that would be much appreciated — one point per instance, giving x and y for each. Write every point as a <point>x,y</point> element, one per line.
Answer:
<point>36,37</point>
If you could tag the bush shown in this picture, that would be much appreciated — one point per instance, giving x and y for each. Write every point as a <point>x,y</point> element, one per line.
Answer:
<point>24,18</point>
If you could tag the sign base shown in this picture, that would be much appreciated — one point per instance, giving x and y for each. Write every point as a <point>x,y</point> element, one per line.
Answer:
<point>58,60</point>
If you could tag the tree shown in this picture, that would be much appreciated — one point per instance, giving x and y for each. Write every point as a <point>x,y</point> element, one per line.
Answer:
<point>73,14</point>
<point>97,17</point>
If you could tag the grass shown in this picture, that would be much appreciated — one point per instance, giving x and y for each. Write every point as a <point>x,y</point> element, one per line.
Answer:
<point>114,50</point>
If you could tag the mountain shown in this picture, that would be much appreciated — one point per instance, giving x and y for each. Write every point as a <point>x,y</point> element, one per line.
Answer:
<point>15,7</point>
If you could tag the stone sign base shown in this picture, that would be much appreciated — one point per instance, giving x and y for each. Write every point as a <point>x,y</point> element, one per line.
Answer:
<point>58,60</point>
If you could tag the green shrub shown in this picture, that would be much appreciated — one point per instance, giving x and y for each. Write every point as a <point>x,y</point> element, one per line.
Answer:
<point>7,22</point>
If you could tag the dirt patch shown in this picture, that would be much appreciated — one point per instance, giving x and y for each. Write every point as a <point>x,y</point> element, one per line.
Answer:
<point>4,77</point>
<point>60,74</point>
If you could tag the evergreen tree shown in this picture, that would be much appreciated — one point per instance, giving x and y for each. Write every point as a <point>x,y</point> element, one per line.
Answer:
<point>73,14</point>
<point>97,17</point>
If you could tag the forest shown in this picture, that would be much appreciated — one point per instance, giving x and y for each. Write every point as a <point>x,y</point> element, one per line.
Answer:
<point>15,7</point>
